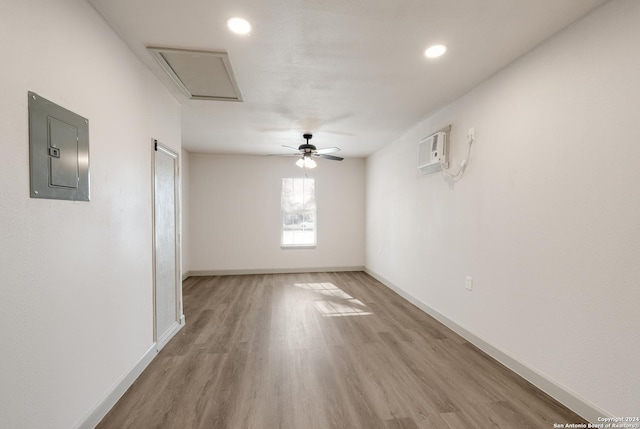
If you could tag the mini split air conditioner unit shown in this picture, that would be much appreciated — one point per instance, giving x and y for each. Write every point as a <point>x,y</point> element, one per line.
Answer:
<point>433,152</point>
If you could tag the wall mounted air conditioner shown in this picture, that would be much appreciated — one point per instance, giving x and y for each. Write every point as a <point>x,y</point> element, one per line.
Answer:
<point>434,150</point>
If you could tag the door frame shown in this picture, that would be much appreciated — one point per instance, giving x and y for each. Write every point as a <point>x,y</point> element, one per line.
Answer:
<point>159,148</point>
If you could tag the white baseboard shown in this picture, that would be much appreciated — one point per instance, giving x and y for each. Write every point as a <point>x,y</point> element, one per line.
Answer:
<point>113,395</point>
<point>565,396</point>
<point>196,273</point>
<point>102,407</point>
<point>171,332</point>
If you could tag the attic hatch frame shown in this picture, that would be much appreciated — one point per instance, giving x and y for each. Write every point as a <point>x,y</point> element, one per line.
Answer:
<point>160,54</point>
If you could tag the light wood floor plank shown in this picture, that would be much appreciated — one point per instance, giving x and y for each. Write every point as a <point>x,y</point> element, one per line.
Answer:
<point>325,351</point>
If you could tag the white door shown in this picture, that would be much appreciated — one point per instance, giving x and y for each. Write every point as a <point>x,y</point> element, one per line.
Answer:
<point>166,240</point>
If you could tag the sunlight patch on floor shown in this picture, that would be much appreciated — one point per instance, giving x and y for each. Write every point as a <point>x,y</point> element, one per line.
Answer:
<point>337,303</point>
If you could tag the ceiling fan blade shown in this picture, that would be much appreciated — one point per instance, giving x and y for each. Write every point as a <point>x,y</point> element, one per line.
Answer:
<point>290,147</point>
<point>328,150</point>
<point>331,157</point>
<point>284,154</point>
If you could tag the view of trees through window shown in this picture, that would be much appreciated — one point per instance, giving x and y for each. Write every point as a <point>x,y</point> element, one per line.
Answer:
<point>298,212</point>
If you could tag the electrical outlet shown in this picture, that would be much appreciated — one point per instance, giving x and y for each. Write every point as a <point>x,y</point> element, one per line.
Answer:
<point>469,283</point>
<point>471,134</point>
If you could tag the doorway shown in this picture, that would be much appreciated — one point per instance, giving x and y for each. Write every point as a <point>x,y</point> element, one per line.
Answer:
<point>167,290</point>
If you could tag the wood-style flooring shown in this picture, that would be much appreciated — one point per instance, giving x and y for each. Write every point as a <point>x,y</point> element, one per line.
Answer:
<point>322,350</point>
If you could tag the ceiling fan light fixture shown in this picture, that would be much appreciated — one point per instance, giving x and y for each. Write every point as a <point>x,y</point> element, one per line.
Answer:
<point>300,162</point>
<point>309,163</point>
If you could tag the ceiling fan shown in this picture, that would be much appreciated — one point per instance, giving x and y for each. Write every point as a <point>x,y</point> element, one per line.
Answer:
<point>307,152</point>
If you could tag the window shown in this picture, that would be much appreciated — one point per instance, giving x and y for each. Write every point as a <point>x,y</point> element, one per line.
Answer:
<point>298,212</point>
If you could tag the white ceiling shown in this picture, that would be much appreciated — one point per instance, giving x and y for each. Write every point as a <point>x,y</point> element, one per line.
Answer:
<point>352,72</point>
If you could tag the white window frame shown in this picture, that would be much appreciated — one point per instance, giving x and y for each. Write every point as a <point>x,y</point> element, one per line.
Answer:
<point>288,244</point>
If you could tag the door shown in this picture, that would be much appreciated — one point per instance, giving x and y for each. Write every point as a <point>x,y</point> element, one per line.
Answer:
<point>166,241</point>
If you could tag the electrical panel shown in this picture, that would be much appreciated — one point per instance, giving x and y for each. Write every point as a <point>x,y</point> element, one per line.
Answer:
<point>58,151</point>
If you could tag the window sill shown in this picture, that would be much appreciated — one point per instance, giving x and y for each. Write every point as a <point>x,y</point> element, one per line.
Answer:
<point>298,247</point>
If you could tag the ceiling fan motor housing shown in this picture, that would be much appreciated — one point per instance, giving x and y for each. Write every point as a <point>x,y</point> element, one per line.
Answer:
<point>307,148</point>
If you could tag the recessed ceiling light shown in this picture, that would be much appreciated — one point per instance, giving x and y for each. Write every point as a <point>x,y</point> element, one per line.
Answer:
<point>239,25</point>
<point>435,51</point>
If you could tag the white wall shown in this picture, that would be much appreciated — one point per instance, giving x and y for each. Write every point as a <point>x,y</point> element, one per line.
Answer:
<point>76,279</point>
<point>546,219</point>
<point>235,214</point>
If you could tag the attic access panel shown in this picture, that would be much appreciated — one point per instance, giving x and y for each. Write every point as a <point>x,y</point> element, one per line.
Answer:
<point>58,151</point>
<point>200,75</point>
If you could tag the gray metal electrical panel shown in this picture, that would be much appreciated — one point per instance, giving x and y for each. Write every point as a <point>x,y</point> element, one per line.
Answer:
<point>58,151</point>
